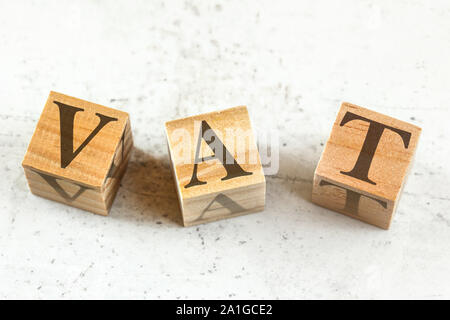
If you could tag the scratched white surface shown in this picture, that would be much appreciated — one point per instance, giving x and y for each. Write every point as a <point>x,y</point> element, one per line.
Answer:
<point>292,63</point>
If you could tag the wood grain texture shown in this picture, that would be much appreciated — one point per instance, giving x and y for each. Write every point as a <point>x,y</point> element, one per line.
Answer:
<point>97,157</point>
<point>217,197</point>
<point>364,165</point>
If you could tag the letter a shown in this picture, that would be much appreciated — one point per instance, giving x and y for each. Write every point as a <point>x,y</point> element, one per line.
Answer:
<point>225,202</point>
<point>221,153</point>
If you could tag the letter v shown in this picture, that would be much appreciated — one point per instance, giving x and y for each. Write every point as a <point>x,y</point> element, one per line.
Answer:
<point>66,121</point>
<point>55,185</point>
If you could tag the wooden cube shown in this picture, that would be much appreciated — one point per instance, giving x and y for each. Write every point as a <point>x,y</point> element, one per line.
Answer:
<point>78,153</point>
<point>364,165</point>
<point>216,166</point>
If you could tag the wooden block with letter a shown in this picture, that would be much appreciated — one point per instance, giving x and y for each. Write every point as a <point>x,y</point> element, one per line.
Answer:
<point>78,153</point>
<point>364,165</point>
<point>216,166</point>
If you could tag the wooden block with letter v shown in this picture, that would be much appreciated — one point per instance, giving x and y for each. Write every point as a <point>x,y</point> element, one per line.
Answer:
<point>216,166</point>
<point>364,165</point>
<point>78,153</point>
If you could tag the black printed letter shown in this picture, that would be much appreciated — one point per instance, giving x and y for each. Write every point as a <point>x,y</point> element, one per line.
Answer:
<point>66,120</point>
<point>352,198</point>
<point>361,169</point>
<point>55,185</point>
<point>234,170</point>
<point>226,202</point>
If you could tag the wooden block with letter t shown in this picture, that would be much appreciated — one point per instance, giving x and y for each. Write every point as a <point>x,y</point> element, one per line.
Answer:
<point>78,153</point>
<point>216,166</point>
<point>364,165</point>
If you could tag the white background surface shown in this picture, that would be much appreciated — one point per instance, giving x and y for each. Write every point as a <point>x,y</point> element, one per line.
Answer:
<point>292,63</point>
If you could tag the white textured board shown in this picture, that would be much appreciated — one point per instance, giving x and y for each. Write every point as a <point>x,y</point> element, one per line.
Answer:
<point>291,63</point>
